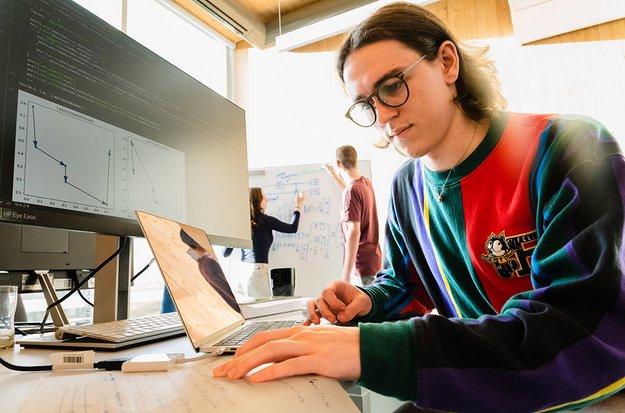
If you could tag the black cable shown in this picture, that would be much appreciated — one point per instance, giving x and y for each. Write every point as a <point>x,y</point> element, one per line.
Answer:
<point>75,282</point>
<point>91,274</point>
<point>43,322</point>
<point>23,368</point>
<point>84,298</point>
<point>83,282</point>
<point>28,323</point>
<point>33,327</point>
<point>112,364</point>
<point>142,270</point>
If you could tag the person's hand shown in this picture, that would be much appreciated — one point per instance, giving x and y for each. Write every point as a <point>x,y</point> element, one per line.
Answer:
<point>329,169</point>
<point>340,301</point>
<point>299,199</point>
<point>329,351</point>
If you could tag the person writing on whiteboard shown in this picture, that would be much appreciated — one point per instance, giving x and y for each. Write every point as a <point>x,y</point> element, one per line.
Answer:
<point>362,257</point>
<point>257,284</point>
<point>511,225</point>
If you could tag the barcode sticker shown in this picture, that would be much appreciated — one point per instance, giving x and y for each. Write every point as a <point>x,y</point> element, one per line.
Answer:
<point>72,360</point>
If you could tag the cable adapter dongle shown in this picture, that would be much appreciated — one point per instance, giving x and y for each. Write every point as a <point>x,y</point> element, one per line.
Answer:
<point>150,362</point>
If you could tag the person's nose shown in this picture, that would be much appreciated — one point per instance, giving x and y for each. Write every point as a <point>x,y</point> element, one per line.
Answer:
<point>384,113</point>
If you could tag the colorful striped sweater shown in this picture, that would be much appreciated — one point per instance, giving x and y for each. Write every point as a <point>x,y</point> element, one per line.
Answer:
<point>523,260</point>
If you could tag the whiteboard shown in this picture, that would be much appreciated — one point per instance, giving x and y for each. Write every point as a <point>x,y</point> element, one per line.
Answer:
<point>316,250</point>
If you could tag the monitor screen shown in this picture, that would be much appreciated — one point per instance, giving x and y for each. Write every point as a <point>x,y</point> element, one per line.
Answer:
<point>95,126</point>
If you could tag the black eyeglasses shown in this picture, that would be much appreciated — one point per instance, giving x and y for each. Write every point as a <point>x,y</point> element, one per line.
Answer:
<point>392,92</point>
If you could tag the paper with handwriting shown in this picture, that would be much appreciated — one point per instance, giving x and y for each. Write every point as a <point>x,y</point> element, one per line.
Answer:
<point>187,388</point>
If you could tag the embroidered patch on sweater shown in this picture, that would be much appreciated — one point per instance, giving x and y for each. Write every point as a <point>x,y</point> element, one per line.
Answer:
<point>510,256</point>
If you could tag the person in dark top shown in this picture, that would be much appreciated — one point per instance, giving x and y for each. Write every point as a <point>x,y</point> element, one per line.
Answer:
<point>257,284</point>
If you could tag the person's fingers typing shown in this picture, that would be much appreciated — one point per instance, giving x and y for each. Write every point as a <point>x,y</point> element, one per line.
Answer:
<point>326,350</point>
<point>291,367</point>
<point>333,296</point>
<point>261,338</point>
<point>311,313</point>
<point>360,306</point>
<point>322,309</point>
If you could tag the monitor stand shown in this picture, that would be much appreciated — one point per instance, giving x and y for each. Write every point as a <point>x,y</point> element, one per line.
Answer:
<point>56,313</point>
<point>112,283</point>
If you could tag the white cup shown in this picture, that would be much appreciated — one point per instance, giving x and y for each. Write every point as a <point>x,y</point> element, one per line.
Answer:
<point>8,303</point>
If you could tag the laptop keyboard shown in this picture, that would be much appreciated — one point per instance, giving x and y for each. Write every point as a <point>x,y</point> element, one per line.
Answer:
<point>243,335</point>
<point>157,326</point>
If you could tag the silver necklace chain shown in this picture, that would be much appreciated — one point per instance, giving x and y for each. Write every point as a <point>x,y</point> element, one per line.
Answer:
<point>442,191</point>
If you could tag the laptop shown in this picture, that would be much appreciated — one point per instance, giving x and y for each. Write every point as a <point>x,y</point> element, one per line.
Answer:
<point>198,287</point>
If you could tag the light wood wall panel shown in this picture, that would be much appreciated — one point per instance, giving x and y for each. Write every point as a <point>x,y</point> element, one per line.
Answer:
<point>614,30</point>
<point>480,19</point>
<point>475,19</point>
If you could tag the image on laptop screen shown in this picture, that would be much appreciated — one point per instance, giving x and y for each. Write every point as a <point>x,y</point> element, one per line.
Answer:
<point>195,280</point>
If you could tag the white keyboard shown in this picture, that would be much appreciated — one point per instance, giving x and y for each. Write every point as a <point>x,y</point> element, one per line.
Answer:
<point>153,326</point>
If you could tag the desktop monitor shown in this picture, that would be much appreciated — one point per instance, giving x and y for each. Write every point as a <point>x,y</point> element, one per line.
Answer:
<point>95,126</point>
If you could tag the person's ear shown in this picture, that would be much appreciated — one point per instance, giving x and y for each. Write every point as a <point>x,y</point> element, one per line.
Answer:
<point>450,61</point>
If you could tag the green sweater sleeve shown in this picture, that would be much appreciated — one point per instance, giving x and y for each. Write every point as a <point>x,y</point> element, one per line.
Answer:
<point>387,357</point>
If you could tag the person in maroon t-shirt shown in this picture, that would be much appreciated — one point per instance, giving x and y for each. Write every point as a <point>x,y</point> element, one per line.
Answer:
<point>359,219</point>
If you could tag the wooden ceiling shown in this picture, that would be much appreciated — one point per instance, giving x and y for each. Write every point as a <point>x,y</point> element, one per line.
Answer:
<point>267,10</point>
<point>211,22</point>
<point>292,13</point>
<point>469,19</point>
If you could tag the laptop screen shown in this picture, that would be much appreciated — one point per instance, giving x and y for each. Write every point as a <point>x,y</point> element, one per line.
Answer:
<point>204,300</point>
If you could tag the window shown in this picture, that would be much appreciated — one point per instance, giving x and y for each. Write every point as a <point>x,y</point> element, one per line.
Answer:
<point>110,11</point>
<point>185,43</point>
<point>192,48</point>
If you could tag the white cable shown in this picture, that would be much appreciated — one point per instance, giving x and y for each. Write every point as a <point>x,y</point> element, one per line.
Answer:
<point>180,360</point>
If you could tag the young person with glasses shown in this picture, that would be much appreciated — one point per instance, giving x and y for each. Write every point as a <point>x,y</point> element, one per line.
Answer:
<point>510,225</point>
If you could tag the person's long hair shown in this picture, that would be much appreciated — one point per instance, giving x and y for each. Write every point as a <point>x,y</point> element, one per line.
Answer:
<point>256,212</point>
<point>478,88</point>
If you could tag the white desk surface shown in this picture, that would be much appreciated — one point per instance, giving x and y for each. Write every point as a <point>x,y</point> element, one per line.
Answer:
<point>188,387</point>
